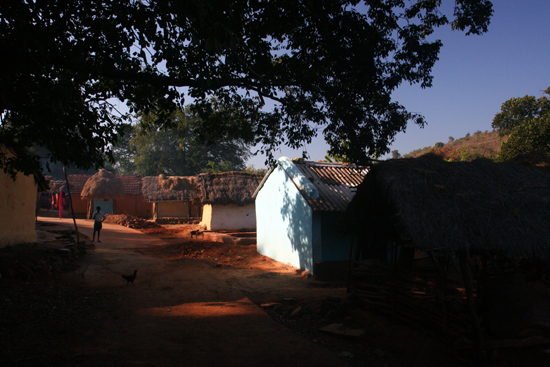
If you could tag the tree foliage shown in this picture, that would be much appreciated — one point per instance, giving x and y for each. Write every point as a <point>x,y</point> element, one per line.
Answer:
<point>283,70</point>
<point>527,121</point>
<point>531,138</point>
<point>175,150</point>
<point>518,111</point>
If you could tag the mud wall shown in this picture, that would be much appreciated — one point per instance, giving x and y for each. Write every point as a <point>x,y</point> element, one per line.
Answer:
<point>17,209</point>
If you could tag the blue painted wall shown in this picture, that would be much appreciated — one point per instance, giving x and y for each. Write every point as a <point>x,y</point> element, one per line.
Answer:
<point>334,246</point>
<point>287,228</point>
<point>284,222</point>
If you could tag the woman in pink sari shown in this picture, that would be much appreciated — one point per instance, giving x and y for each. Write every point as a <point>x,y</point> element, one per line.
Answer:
<point>61,203</point>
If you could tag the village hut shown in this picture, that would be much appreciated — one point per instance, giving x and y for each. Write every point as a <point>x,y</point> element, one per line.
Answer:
<point>227,200</point>
<point>298,207</point>
<point>471,235</point>
<point>133,203</point>
<point>76,184</point>
<point>101,190</point>
<point>173,197</point>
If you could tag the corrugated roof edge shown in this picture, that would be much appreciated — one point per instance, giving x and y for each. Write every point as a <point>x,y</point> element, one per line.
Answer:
<point>296,176</point>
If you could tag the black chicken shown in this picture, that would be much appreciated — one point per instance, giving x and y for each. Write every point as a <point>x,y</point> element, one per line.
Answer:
<point>130,278</point>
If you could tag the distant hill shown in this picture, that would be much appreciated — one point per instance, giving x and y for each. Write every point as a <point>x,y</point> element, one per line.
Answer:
<point>478,145</point>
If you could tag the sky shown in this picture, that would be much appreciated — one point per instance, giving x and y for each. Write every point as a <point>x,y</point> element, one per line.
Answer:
<point>473,77</point>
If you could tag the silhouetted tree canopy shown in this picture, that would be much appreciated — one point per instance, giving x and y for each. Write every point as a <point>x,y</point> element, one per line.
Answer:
<point>285,69</point>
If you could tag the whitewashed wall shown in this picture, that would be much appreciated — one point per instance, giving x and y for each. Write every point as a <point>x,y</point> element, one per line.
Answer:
<point>229,217</point>
<point>284,222</point>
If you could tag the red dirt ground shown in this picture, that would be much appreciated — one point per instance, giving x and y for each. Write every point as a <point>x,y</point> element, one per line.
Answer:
<point>52,319</point>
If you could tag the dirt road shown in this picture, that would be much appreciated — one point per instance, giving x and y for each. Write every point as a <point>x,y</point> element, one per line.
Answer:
<point>194,302</point>
<point>178,312</point>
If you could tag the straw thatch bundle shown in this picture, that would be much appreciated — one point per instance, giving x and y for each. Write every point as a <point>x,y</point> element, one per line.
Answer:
<point>228,187</point>
<point>103,185</point>
<point>180,183</point>
<point>480,206</point>
<point>173,188</point>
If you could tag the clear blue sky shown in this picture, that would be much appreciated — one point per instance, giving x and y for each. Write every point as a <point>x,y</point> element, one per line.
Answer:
<point>473,77</point>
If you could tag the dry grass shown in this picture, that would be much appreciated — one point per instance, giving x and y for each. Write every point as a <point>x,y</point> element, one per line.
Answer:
<point>478,145</point>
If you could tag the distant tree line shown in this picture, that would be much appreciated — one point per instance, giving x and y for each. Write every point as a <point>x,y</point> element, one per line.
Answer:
<point>521,132</point>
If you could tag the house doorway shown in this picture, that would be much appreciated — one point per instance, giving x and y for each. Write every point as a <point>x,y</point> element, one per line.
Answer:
<point>107,205</point>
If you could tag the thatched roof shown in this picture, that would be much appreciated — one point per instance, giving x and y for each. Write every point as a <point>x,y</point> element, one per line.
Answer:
<point>103,185</point>
<point>228,187</point>
<point>173,188</point>
<point>481,206</point>
<point>184,183</point>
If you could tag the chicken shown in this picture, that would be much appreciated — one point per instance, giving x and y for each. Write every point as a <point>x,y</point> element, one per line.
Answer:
<point>130,278</point>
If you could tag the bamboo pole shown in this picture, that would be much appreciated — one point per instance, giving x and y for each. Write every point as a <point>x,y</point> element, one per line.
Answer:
<point>71,201</point>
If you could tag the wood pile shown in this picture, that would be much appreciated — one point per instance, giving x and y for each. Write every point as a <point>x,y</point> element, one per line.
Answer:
<point>178,220</point>
<point>130,221</point>
<point>417,298</point>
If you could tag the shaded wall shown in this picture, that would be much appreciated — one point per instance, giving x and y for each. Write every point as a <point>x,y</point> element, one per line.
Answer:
<point>80,204</point>
<point>332,249</point>
<point>133,205</point>
<point>334,246</point>
<point>17,209</point>
<point>284,222</point>
<point>171,209</point>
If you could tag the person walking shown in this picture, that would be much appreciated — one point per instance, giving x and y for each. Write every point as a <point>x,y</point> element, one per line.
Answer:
<point>98,218</point>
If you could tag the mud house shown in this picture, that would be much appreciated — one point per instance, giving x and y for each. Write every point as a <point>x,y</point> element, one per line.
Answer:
<point>133,202</point>
<point>102,189</point>
<point>227,200</point>
<point>76,183</point>
<point>434,236</point>
<point>173,197</point>
<point>298,206</point>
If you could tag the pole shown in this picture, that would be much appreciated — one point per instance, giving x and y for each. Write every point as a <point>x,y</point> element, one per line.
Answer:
<point>463,259</point>
<point>71,201</point>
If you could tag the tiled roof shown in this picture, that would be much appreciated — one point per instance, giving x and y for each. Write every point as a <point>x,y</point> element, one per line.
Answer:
<point>132,184</point>
<point>325,186</point>
<point>335,182</point>
<point>77,182</point>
